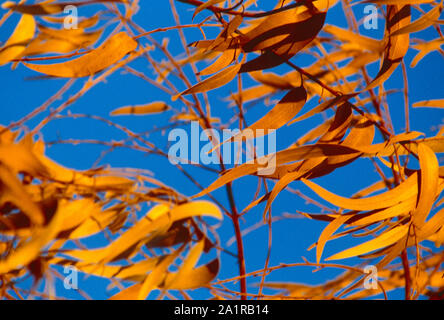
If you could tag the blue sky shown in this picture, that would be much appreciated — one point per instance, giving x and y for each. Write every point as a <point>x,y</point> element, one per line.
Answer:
<point>291,238</point>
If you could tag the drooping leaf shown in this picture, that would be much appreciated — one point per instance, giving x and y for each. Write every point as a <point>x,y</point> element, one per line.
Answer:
<point>187,266</point>
<point>289,155</point>
<point>225,35</point>
<point>134,272</point>
<point>429,184</point>
<point>351,37</point>
<point>284,111</point>
<point>398,17</point>
<point>280,36</point>
<point>20,158</point>
<point>157,221</point>
<point>433,225</point>
<point>28,251</point>
<point>157,276</point>
<point>214,82</point>
<point>48,8</point>
<point>60,41</point>
<point>327,233</point>
<point>429,104</point>
<point>195,278</point>
<point>394,2</point>
<point>400,209</point>
<point>205,5</point>
<point>13,191</point>
<point>404,191</point>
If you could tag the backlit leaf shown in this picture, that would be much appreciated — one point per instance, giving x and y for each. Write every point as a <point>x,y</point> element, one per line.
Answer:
<point>154,107</point>
<point>422,23</point>
<point>383,240</point>
<point>429,184</point>
<point>327,233</point>
<point>404,191</point>
<point>17,42</point>
<point>429,104</point>
<point>214,82</point>
<point>111,51</point>
<point>398,17</point>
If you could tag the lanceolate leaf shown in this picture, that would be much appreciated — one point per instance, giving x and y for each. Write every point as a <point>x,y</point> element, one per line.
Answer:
<point>327,233</point>
<point>389,198</point>
<point>292,154</point>
<point>432,225</point>
<point>134,272</point>
<point>429,104</point>
<point>280,37</point>
<point>146,240</point>
<point>398,17</point>
<point>29,250</point>
<point>215,81</point>
<point>49,8</point>
<point>179,279</point>
<point>290,177</point>
<point>157,221</point>
<point>403,208</point>
<point>425,48</point>
<point>223,61</point>
<point>394,2</point>
<point>13,191</point>
<point>195,278</point>
<point>422,23</point>
<point>205,5</point>
<point>150,108</point>
<point>281,114</point>
<point>60,41</point>
<point>429,184</point>
<point>349,36</point>
<point>21,36</point>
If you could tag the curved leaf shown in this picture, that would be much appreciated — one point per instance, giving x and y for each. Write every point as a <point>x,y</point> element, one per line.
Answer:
<point>111,51</point>
<point>382,241</point>
<point>404,191</point>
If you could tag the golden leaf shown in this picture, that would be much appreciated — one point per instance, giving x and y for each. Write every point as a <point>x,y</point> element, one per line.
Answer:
<point>404,191</point>
<point>150,108</point>
<point>17,42</point>
<point>111,51</point>
<point>398,16</point>
<point>383,240</point>
<point>429,184</point>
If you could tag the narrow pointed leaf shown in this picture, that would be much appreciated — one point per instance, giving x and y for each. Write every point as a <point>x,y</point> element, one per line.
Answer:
<point>389,198</point>
<point>382,241</point>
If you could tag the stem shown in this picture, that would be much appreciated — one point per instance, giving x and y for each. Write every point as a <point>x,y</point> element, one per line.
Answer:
<point>239,242</point>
